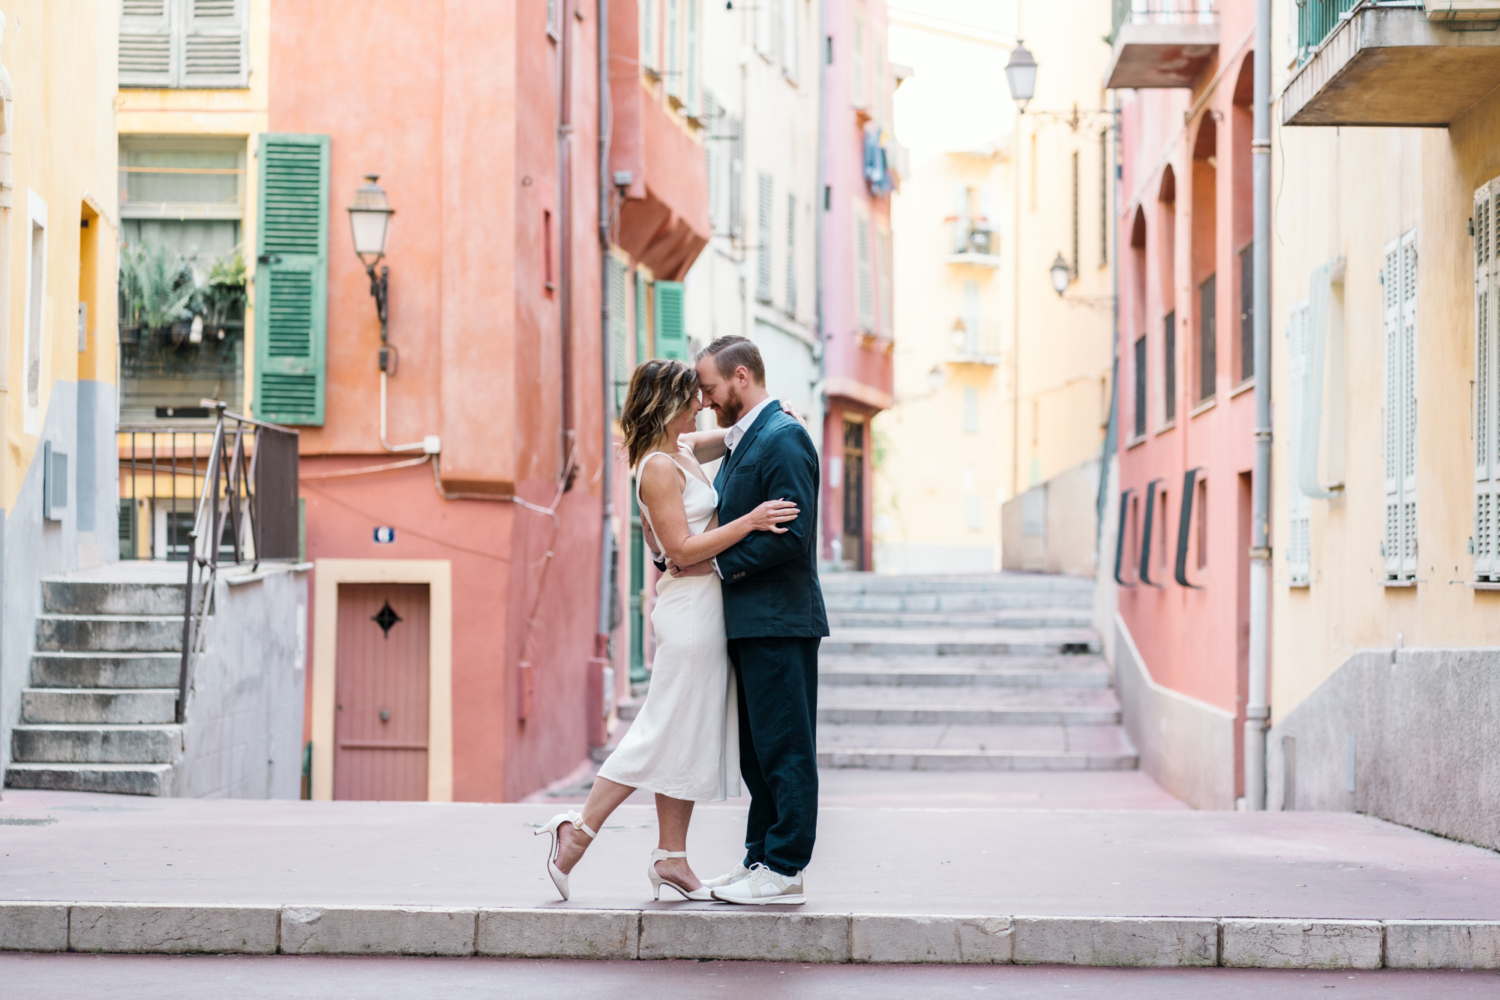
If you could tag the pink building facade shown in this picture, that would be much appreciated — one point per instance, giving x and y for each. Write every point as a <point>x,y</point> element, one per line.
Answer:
<point>854,267</point>
<point>1186,400</point>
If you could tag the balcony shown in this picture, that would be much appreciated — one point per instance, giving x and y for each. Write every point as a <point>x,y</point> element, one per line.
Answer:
<point>1388,65</point>
<point>974,243</point>
<point>1161,43</point>
<point>975,342</point>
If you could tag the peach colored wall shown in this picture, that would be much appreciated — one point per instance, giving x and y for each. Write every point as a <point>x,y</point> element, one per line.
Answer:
<point>1193,640</point>
<point>457,109</point>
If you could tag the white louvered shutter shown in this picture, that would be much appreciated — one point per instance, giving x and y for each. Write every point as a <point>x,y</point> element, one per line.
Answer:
<point>791,255</point>
<point>648,35</point>
<point>1486,384</point>
<point>147,55</point>
<point>790,48</point>
<point>861,95</point>
<point>960,217</point>
<point>673,55</point>
<point>215,46</point>
<point>1409,405</point>
<point>619,363</point>
<point>765,27</point>
<point>864,277</point>
<point>885,281</point>
<point>763,237</point>
<point>713,157</point>
<point>736,177</point>
<point>1390,280</point>
<point>1299,534</point>
<point>690,72</point>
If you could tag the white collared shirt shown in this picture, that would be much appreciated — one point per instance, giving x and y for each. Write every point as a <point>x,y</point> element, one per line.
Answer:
<point>742,426</point>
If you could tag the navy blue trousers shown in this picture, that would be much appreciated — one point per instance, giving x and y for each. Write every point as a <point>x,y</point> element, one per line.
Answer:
<point>778,695</point>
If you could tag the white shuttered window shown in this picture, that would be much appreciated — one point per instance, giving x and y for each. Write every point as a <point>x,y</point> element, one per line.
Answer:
<point>763,238</point>
<point>1399,280</point>
<point>184,44</point>
<point>864,276</point>
<point>1486,383</point>
<point>648,35</point>
<point>1299,519</point>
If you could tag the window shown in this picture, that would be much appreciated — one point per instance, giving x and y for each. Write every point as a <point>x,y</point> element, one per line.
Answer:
<point>1486,384</point>
<point>1207,339</point>
<point>690,97</point>
<point>887,283</point>
<point>973,513</point>
<point>1399,278</point>
<point>671,331</point>
<point>554,10</point>
<point>1161,548</point>
<point>791,255</point>
<point>1202,506</point>
<point>971,319</point>
<point>763,238</point>
<point>1247,313</point>
<point>183,43</point>
<point>618,360</point>
<point>1104,198</point>
<point>672,38</point>
<point>765,26</point>
<point>1169,367</point>
<point>1139,429</point>
<point>863,277</point>
<point>36,288</point>
<point>1074,263</point>
<point>971,409</point>
<point>790,47</point>
<point>648,36</point>
<point>1299,518</point>
<point>736,177</point>
<point>861,87</point>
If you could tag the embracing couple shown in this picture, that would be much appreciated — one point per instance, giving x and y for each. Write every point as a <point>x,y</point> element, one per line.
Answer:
<point>738,619</point>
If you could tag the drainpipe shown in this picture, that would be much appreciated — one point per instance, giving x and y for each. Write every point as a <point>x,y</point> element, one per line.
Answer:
<point>606,539</point>
<point>565,236</point>
<point>1257,708</point>
<point>821,210</point>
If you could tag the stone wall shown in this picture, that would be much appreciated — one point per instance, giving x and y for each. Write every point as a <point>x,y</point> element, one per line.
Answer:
<point>1409,735</point>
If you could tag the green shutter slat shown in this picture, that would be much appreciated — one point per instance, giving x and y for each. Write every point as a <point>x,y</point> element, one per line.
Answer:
<point>291,279</point>
<point>671,333</point>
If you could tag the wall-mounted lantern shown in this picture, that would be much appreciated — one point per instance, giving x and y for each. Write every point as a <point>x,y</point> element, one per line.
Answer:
<point>1020,76</point>
<point>1062,274</point>
<point>370,223</point>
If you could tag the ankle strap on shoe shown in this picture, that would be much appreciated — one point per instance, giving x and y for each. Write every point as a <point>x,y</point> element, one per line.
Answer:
<point>578,824</point>
<point>661,855</point>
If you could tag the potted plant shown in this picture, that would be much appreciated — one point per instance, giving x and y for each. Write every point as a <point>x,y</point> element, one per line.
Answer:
<point>158,287</point>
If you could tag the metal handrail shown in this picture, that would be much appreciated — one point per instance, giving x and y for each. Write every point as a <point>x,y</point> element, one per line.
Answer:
<point>1163,12</point>
<point>229,473</point>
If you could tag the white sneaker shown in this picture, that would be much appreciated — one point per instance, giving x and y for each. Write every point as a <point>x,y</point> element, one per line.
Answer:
<point>763,885</point>
<point>738,872</point>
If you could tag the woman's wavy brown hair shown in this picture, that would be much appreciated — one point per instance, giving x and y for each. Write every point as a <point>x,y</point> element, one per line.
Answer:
<point>659,391</point>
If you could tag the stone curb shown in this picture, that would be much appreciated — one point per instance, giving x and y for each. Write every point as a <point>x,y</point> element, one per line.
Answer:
<point>749,934</point>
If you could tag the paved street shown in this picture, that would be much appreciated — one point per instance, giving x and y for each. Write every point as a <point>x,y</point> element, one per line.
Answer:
<point>161,978</point>
<point>85,847</point>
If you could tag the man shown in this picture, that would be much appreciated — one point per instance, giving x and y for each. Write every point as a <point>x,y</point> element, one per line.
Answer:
<point>774,619</point>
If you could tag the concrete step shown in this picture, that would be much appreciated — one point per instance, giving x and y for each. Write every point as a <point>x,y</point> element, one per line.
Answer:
<point>875,759</point>
<point>1006,600</point>
<point>996,706</point>
<point>119,779</point>
<point>871,583</point>
<point>96,744</point>
<point>105,670</point>
<point>93,706</point>
<point>1047,618</point>
<point>109,633</point>
<point>64,596</point>
<point>1020,678</point>
<point>628,710</point>
<point>960,642</point>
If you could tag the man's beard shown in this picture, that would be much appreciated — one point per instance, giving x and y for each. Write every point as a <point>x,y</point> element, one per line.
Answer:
<point>731,409</point>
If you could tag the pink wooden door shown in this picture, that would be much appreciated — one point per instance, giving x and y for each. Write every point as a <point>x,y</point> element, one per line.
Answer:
<point>380,723</point>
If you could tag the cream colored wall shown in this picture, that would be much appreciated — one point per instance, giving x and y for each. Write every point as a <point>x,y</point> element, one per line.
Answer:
<point>1063,351</point>
<point>928,466</point>
<point>232,111</point>
<point>60,57</point>
<point>1348,192</point>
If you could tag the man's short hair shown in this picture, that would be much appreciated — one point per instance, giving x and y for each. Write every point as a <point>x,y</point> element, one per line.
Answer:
<point>734,352</point>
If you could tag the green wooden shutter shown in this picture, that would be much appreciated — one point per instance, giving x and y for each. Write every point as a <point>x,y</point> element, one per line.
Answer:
<point>641,351</point>
<point>291,279</point>
<point>671,329</point>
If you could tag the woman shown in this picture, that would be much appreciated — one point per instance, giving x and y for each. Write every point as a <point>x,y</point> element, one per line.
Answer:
<point>684,744</point>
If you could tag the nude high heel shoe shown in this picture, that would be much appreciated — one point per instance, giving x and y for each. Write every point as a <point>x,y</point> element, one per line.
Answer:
<point>657,881</point>
<point>559,877</point>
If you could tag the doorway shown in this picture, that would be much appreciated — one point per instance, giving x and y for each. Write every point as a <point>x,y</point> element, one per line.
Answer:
<point>854,494</point>
<point>382,692</point>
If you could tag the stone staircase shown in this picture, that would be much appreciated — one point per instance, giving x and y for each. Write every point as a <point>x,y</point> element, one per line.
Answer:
<point>955,673</point>
<point>100,714</point>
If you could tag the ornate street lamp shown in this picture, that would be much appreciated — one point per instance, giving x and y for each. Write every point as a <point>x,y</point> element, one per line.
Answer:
<point>1061,275</point>
<point>1020,76</point>
<point>370,223</point>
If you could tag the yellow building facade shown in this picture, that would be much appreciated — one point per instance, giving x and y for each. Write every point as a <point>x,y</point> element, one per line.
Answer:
<point>1002,382</point>
<point>1385,600</point>
<point>59,224</point>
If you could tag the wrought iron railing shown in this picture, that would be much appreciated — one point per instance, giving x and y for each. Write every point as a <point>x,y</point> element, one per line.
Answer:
<point>1163,12</point>
<point>238,485</point>
<point>1316,20</point>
